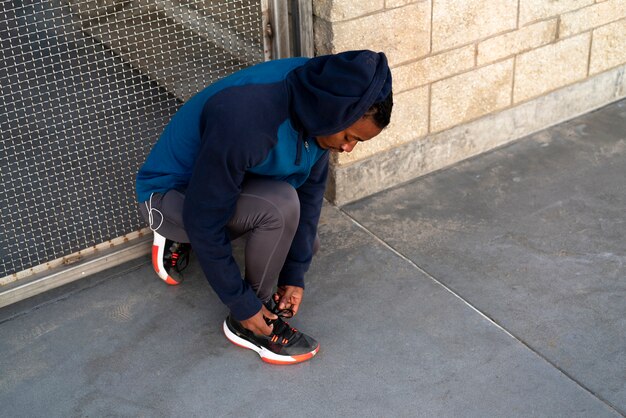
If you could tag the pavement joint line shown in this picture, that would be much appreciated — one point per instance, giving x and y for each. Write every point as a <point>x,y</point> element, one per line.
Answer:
<point>485,316</point>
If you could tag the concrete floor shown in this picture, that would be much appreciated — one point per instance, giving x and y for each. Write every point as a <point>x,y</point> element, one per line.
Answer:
<point>496,287</point>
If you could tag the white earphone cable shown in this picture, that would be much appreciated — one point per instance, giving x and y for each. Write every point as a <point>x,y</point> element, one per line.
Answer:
<point>150,216</point>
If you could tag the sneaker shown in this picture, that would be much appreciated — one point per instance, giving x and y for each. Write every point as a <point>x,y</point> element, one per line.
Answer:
<point>169,259</point>
<point>286,345</point>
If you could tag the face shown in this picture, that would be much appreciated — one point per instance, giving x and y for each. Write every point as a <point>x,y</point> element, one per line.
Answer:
<point>362,130</point>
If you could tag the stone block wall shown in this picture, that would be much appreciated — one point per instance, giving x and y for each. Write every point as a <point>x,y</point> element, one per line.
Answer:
<point>471,75</point>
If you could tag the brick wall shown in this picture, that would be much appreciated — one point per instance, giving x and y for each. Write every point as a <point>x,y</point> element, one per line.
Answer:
<point>471,65</point>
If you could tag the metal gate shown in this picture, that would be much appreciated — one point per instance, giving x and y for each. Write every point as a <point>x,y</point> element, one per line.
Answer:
<point>86,87</point>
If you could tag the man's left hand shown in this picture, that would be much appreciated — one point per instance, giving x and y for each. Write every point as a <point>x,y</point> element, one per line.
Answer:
<point>289,297</point>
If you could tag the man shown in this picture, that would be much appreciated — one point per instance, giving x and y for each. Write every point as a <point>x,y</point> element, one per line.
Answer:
<point>249,155</point>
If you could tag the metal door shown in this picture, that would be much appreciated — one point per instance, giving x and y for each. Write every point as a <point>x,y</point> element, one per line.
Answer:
<point>86,87</point>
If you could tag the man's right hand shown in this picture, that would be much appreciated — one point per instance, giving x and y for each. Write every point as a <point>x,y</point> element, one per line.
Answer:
<point>257,324</point>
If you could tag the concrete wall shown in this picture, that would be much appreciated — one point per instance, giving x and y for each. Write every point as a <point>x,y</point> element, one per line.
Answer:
<point>471,75</point>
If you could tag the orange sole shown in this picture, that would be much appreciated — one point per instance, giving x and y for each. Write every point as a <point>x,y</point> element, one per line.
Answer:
<point>298,359</point>
<point>155,265</point>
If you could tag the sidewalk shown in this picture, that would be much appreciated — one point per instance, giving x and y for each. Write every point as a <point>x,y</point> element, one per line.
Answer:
<point>496,287</point>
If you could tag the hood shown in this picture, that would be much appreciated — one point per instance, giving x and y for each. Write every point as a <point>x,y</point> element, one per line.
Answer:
<point>331,92</point>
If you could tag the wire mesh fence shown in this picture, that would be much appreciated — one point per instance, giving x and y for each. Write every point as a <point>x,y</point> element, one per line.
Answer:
<point>86,87</point>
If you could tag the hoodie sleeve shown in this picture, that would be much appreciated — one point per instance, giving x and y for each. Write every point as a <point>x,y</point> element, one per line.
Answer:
<point>311,195</point>
<point>226,152</point>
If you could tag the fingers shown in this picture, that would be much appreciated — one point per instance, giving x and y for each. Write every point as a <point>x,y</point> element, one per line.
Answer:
<point>267,313</point>
<point>295,304</point>
<point>260,328</point>
<point>294,308</point>
<point>281,297</point>
<point>286,302</point>
<point>291,299</point>
<point>257,324</point>
<point>280,291</point>
<point>288,297</point>
<point>265,329</point>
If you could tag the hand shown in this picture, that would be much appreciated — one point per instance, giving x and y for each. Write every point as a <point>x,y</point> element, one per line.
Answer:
<point>256,323</point>
<point>289,297</point>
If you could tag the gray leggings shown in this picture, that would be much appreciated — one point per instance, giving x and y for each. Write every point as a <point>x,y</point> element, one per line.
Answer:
<point>268,211</point>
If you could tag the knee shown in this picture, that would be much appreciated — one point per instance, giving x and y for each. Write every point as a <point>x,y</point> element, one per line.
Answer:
<point>269,204</point>
<point>287,203</point>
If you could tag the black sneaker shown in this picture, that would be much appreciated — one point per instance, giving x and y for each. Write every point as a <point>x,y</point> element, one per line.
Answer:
<point>169,259</point>
<point>286,345</point>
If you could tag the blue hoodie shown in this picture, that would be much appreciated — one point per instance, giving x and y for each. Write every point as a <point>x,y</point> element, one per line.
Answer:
<point>260,121</point>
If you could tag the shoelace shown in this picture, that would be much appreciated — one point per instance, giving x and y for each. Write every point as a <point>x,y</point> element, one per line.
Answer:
<point>179,258</point>
<point>282,333</point>
<point>284,313</point>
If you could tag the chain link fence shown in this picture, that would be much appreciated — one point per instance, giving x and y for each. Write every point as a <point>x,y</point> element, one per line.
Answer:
<point>86,87</point>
